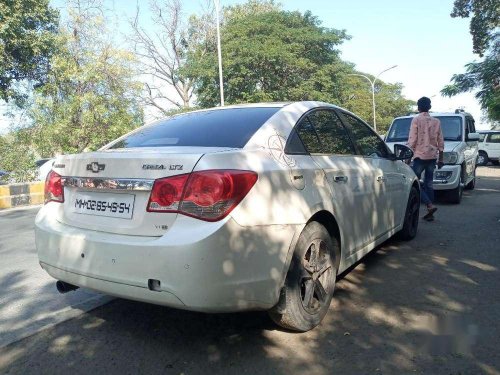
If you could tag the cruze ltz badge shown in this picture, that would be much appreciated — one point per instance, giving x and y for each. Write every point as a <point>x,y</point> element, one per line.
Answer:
<point>95,167</point>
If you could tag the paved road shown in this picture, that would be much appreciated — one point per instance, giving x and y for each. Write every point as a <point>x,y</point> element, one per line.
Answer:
<point>427,306</point>
<point>28,297</point>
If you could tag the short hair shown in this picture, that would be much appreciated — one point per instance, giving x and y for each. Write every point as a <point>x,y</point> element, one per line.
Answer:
<point>424,104</point>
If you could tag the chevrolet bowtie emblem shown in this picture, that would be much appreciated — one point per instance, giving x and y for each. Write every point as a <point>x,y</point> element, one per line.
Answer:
<point>95,167</point>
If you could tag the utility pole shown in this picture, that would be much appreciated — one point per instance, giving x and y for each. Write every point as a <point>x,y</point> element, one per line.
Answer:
<point>219,54</point>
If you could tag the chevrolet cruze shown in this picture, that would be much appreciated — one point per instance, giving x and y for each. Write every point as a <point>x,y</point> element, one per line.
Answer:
<point>251,207</point>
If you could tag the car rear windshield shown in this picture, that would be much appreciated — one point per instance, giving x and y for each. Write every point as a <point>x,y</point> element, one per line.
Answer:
<point>451,126</point>
<point>231,127</point>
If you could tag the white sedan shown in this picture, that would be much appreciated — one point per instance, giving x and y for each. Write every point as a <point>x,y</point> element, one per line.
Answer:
<point>250,207</point>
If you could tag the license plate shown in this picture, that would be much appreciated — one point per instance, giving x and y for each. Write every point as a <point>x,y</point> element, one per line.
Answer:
<point>104,204</point>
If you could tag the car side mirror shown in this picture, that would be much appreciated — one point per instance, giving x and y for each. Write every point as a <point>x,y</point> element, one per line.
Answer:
<point>473,137</point>
<point>402,152</point>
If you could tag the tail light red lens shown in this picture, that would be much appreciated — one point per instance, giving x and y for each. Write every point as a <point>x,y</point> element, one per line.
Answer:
<point>54,190</point>
<point>167,194</point>
<point>206,195</point>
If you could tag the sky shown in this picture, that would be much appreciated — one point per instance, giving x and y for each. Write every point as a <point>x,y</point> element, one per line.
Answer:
<point>426,44</point>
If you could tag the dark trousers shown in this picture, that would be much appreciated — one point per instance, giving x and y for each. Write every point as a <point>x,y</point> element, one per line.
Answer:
<point>426,166</point>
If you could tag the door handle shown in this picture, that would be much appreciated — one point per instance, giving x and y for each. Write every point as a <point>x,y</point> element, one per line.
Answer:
<point>298,177</point>
<point>381,179</point>
<point>340,178</point>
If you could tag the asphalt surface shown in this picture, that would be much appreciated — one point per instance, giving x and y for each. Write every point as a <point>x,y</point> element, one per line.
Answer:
<point>29,300</point>
<point>429,306</point>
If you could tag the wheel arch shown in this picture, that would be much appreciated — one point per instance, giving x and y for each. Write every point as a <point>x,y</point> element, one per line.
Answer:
<point>328,220</point>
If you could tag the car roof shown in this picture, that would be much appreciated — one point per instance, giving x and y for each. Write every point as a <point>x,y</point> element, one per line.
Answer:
<point>309,104</point>
<point>441,114</point>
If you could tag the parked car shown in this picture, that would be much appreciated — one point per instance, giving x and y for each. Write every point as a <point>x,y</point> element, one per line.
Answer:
<point>460,151</point>
<point>250,207</point>
<point>3,177</point>
<point>44,167</point>
<point>489,147</point>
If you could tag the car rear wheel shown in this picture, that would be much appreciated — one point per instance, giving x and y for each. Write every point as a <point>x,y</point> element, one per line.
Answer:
<point>310,281</point>
<point>412,213</point>
<point>482,158</point>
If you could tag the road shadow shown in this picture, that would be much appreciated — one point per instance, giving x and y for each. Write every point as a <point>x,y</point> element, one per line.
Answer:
<point>425,306</point>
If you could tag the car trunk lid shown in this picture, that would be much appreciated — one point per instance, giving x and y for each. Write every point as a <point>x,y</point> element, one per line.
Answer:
<point>109,190</point>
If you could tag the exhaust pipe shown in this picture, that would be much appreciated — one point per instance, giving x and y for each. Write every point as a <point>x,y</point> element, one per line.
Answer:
<point>63,287</point>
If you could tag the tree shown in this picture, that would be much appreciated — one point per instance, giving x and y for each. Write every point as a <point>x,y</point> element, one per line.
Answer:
<point>162,54</point>
<point>483,76</point>
<point>17,157</point>
<point>270,56</point>
<point>274,55</point>
<point>390,102</point>
<point>27,41</point>
<point>90,96</point>
<point>485,19</point>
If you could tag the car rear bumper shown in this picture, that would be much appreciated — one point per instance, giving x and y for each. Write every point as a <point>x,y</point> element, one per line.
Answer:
<point>201,266</point>
<point>447,178</point>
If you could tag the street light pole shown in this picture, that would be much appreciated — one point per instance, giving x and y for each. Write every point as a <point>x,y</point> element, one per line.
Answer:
<point>372,84</point>
<point>219,55</point>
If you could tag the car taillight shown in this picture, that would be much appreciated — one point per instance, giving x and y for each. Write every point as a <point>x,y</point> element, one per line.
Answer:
<point>54,190</point>
<point>206,195</point>
<point>167,194</point>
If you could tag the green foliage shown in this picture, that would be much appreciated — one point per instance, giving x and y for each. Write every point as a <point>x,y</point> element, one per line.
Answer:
<point>17,158</point>
<point>27,41</point>
<point>270,56</point>
<point>485,19</point>
<point>390,102</point>
<point>483,76</point>
<point>90,95</point>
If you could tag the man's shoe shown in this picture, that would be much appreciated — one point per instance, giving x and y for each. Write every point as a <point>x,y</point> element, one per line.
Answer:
<point>429,216</point>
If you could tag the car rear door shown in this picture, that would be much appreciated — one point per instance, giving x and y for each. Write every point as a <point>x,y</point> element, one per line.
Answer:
<point>329,145</point>
<point>384,176</point>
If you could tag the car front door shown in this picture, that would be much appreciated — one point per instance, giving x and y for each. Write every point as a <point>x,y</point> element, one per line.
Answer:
<point>385,176</point>
<point>329,145</point>
<point>471,150</point>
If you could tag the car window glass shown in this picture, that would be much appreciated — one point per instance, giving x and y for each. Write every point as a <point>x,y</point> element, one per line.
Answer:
<point>472,126</point>
<point>294,144</point>
<point>216,128</point>
<point>494,138</point>
<point>309,136</point>
<point>451,127</point>
<point>332,133</point>
<point>368,142</point>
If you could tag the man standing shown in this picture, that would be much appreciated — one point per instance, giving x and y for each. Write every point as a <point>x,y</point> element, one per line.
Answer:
<point>426,141</point>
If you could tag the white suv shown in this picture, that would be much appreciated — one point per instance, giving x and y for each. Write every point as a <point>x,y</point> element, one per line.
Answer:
<point>460,150</point>
<point>489,148</point>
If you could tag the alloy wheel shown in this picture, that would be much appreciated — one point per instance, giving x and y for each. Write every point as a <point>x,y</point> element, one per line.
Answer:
<point>317,271</point>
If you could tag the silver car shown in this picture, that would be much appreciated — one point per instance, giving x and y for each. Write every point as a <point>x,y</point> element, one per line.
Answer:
<point>460,151</point>
<point>251,207</point>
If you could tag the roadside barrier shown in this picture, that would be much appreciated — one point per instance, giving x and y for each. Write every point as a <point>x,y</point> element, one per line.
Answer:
<point>25,194</point>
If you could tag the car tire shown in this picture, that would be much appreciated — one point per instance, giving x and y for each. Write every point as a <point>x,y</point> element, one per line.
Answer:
<point>310,280</point>
<point>472,184</point>
<point>412,213</point>
<point>482,158</point>
<point>455,195</point>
